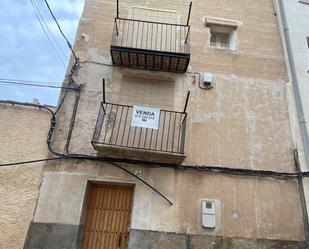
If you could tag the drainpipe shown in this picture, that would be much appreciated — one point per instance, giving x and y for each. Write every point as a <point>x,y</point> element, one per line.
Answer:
<point>295,84</point>
<point>300,112</point>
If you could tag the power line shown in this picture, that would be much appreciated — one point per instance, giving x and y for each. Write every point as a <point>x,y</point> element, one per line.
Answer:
<point>39,12</point>
<point>206,168</point>
<point>13,103</point>
<point>68,43</point>
<point>76,63</point>
<point>33,83</point>
<point>212,169</point>
<point>52,127</point>
<point>31,161</point>
<point>45,32</point>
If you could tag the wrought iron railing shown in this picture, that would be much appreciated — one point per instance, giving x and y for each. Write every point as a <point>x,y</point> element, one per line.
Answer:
<point>152,36</point>
<point>113,127</point>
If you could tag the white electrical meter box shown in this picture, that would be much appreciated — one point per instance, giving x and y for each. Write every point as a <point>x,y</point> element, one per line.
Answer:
<point>208,214</point>
<point>207,78</point>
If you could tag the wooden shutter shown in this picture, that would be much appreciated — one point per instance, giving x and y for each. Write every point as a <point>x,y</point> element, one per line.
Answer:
<point>108,217</point>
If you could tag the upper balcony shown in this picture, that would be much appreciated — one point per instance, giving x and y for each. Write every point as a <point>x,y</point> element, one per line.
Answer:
<point>115,135</point>
<point>151,45</point>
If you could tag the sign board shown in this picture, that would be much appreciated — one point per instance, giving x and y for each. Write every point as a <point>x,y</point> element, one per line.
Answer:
<point>145,117</point>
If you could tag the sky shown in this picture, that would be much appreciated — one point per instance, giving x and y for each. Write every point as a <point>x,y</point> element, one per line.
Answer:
<point>27,54</point>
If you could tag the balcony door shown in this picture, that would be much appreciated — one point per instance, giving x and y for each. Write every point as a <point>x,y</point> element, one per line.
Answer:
<point>108,217</point>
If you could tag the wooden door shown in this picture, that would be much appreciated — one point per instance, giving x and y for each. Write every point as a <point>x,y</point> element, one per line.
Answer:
<point>108,217</point>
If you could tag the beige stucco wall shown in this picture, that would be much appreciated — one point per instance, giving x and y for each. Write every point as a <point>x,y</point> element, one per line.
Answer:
<point>245,114</point>
<point>23,132</point>
<point>264,205</point>
<point>242,122</point>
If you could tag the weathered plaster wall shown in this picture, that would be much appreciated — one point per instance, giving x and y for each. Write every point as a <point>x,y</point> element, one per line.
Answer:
<point>23,132</point>
<point>142,240</point>
<point>247,106</point>
<point>242,122</point>
<point>62,195</point>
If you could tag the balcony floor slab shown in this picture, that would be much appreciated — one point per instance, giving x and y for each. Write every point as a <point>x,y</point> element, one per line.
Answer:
<point>118,152</point>
<point>149,59</point>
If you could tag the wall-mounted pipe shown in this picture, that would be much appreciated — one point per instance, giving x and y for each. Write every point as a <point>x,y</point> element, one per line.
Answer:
<point>295,82</point>
<point>300,112</point>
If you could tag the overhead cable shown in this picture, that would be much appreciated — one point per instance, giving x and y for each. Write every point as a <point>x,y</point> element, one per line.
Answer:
<point>68,43</point>
<point>48,29</point>
<point>50,134</point>
<point>46,34</point>
<point>30,161</point>
<point>32,83</point>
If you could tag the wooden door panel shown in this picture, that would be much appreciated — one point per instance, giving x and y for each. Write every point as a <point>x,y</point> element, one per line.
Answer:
<point>108,217</point>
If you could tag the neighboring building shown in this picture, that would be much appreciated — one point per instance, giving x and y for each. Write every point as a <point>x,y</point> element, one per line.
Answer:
<point>23,132</point>
<point>293,16</point>
<point>236,118</point>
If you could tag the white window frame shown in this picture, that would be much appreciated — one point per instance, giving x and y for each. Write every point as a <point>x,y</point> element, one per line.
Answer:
<point>223,30</point>
<point>224,26</point>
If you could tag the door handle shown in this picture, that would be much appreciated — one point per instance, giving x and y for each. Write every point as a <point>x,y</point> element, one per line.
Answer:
<point>119,241</point>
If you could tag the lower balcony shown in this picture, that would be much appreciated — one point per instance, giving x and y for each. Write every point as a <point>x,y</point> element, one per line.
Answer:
<point>115,135</point>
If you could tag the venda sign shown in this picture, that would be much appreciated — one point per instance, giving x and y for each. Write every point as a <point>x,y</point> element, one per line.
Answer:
<point>145,117</point>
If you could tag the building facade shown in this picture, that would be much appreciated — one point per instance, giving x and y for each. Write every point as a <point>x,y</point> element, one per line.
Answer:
<point>22,139</point>
<point>292,16</point>
<point>178,137</point>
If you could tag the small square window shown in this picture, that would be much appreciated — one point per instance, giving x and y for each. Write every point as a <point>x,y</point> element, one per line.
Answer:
<point>219,40</point>
<point>222,37</point>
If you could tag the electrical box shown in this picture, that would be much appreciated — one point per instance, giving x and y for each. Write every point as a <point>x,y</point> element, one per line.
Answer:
<point>207,79</point>
<point>208,214</point>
